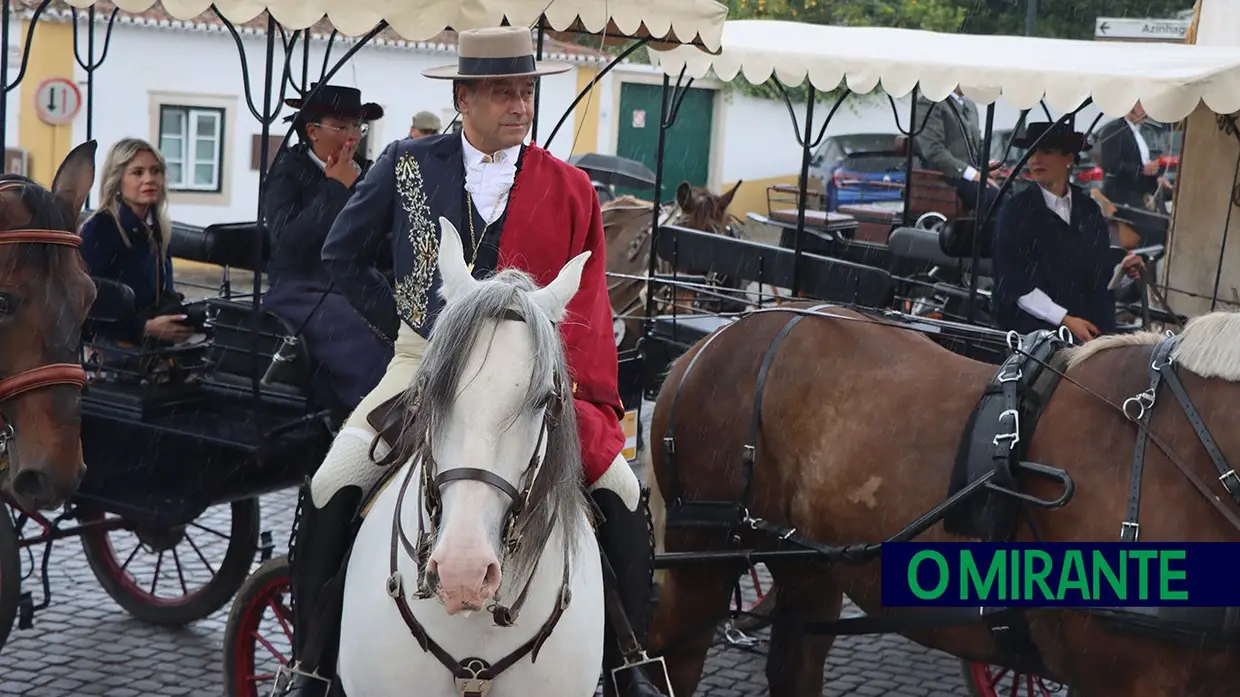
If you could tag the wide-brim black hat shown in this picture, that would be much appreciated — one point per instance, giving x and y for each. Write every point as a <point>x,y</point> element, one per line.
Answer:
<point>336,100</point>
<point>1057,136</point>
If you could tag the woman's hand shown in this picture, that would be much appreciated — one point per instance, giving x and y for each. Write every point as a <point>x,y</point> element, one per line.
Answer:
<point>1132,265</point>
<point>1082,329</point>
<point>340,165</point>
<point>169,328</point>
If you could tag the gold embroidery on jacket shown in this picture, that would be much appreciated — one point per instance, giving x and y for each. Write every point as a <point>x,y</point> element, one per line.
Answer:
<point>412,290</point>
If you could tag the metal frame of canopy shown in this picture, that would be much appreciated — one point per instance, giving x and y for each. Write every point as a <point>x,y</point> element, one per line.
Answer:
<point>652,23</point>
<point>895,59</point>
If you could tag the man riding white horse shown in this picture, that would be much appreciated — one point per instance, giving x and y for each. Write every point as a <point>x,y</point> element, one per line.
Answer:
<point>516,206</point>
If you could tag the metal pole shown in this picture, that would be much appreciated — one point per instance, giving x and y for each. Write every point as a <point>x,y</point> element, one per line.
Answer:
<point>4,80</point>
<point>537,84</point>
<point>908,155</point>
<point>1031,16</point>
<point>806,145</point>
<point>982,213</point>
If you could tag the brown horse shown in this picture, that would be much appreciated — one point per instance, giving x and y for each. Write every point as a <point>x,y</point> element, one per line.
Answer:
<point>626,225</point>
<point>859,431</point>
<point>45,293</point>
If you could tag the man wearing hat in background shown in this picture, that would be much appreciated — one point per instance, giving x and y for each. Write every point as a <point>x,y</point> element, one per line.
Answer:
<point>515,206</point>
<point>425,124</point>
<point>307,188</point>
<point>1053,261</point>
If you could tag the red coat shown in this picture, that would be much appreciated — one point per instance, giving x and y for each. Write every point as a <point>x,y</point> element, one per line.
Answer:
<point>552,216</point>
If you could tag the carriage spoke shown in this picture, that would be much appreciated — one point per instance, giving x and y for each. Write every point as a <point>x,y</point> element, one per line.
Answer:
<point>134,553</point>
<point>176,559</point>
<point>217,533</point>
<point>201,556</point>
<point>267,645</point>
<point>159,563</point>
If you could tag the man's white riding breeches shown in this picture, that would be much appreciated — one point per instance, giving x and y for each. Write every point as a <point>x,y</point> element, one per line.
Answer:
<point>348,462</point>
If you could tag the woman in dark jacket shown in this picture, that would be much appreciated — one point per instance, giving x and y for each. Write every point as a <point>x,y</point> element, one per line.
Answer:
<point>126,240</point>
<point>1053,262</point>
<point>306,189</point>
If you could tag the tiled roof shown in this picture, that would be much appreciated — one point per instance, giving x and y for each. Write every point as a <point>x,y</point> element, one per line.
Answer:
<point>61,11</point>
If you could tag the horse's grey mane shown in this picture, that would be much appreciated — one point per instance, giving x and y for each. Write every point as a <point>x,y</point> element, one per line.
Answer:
<point>557,496</point>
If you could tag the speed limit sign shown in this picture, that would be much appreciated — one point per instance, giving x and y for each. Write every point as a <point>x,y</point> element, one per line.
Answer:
<point>57,101</point>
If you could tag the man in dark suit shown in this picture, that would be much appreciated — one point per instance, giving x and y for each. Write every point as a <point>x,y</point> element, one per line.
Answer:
<point>951,143</point>
<point>1130,171</point>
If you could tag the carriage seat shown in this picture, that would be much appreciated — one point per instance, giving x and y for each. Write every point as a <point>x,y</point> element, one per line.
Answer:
<point>114,301</point>
<point>222,244</point>
<point>956,239</point>
<point>234,362</point>
<point>927,245</point>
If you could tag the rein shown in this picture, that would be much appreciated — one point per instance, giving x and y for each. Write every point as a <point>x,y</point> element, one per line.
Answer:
<point>49,375</point>
<point>474,675</point>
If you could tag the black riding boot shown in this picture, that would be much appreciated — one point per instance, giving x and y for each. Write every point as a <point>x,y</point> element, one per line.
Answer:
<point>624,537</point>
<point>323,537</point>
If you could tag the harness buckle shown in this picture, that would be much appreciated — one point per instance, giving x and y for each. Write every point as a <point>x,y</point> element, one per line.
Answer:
<point>286,672</point>
<point>1144,401</point>
<point>639,661</point>
<point>395,585</point>
<point>1127,526</point>
<point>1011,372</point>
<point>469,682</point>
<point>1229,481</point>
<point>1011,437</point>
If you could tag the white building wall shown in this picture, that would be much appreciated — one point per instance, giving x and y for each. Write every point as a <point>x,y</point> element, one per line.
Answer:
<point>147,66</point>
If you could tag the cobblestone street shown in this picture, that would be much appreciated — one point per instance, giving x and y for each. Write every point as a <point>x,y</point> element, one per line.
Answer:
<point>84,643</point>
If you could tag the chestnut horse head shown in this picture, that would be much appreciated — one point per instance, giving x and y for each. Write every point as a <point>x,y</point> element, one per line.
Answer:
<point>860,426</point>
<point>45,293</point>
<point>626,224</point>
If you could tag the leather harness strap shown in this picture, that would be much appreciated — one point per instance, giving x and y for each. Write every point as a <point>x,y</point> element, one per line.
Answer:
<point>70,374</point>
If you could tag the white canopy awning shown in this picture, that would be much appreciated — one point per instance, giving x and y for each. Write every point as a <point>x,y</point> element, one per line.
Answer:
<point>676,21</point>
<point>1169,79</point>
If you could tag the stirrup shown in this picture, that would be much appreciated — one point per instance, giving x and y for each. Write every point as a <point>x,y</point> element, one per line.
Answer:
<point>285,675</point>
<point>638,661</point>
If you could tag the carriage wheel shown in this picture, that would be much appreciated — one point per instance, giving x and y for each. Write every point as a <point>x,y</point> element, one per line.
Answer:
<point>10,574</point>
<point>134,565</point>
<point>757,602</point>
<point>985,680</point>
<point>259,631</point>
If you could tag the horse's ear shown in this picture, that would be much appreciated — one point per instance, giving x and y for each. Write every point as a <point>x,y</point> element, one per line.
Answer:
<point>76,176</point>
<point>726,199</point>
<point>555,296</point>
<point>684,196</point>
<point>457,280</point>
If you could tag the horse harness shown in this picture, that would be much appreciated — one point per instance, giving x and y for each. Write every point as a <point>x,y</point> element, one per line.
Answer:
<point>474,675</point>
<point>42,376</point>
<point>990,455</point>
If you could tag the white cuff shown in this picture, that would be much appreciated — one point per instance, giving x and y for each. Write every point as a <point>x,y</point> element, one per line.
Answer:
<point>1116,274</point>
<point>1040,305</point>
<point>970,174</point>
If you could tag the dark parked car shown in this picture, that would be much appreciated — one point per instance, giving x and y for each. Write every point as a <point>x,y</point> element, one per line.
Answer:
<point>860,168</point>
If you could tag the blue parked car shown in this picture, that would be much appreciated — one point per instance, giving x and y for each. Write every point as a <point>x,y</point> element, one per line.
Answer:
<point>860,168</point>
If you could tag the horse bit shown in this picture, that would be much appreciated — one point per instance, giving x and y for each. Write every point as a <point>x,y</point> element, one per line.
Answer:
<point>474,675</point>
<point>42,376</point>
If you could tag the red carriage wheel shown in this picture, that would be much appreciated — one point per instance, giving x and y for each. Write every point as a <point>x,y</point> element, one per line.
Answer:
<point>259,636</point>
<point>10,574</point>
<point>985,680</point>
<point>757,601</point>
<point>174,576</point>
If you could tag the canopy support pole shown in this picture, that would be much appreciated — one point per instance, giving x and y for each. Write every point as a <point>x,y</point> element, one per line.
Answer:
<point>979,227</point>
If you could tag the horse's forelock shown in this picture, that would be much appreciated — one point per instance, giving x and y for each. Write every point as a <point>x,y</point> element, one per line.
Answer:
<point>556,496</point>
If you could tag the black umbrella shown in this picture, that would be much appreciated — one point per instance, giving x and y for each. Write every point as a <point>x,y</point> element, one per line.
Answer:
<point>614,171</point>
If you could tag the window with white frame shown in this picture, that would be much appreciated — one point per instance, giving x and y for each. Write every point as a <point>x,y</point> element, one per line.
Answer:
<point>191,140</point>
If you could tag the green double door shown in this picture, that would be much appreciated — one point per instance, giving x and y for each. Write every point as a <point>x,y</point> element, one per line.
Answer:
<point>686,148</point>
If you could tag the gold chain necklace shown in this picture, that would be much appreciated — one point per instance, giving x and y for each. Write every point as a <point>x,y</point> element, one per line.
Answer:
<point>474,239</point>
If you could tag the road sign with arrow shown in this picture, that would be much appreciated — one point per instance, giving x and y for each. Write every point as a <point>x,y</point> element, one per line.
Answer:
<point>1129,29</point>
<point>57,101</point>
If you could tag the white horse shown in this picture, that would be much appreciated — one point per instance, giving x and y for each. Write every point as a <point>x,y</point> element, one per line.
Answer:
<point>490,496</point>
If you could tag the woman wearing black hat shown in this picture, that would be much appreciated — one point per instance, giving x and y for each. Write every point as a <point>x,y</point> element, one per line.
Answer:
<point>307,188</point>
<point>1053,261</point>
